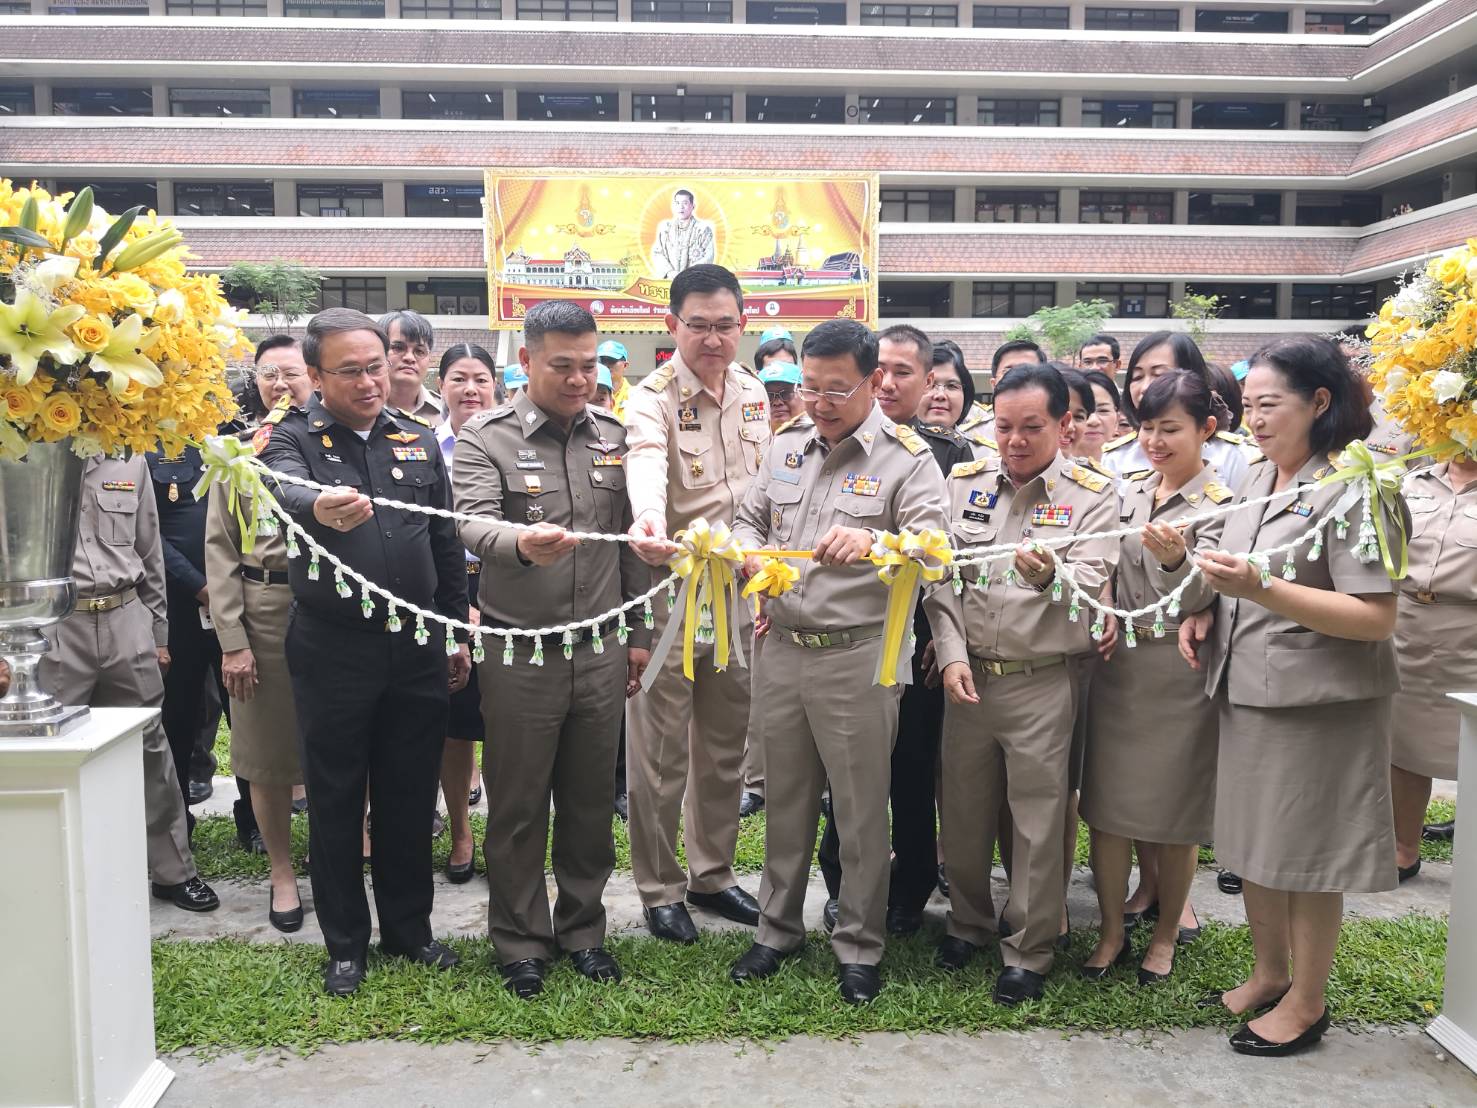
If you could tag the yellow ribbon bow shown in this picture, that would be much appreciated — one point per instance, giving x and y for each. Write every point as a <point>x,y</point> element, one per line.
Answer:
<point>232,464</point>
<point>708,563</point>
<point>775,578</point>
<point>906,561</point>
<point>1357,463</point>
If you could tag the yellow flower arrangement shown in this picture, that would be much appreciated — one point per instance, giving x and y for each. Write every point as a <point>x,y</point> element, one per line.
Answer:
<point>106,337</point>
<point>1424,351</point>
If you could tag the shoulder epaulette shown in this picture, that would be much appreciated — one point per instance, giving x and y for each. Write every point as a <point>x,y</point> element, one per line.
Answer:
<point>911,439</point>
<point>791,423</point>
<point>400,413</point>
<point>659,378</point>
<point>979,438</point>
<point>1087,478</point>
<point>750,370</point>
<point>279,410</point>
<point>1094,464</point>
<point>502,411</point>
<point>1138,475</point>
<point>1122,440</point>
<point>1218,492</point>
<point>969,469</point>
<point>1230,436</point>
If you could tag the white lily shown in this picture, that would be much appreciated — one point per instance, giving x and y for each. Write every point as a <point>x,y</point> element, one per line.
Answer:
<point>1447,386</point>
<point>30,328</point>
<point>123,360</point>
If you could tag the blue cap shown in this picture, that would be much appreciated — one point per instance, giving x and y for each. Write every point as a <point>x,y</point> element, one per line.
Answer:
<point>514,377</point>
<point>780,373</point>
<point>1240,369</point>
<point>611,349</point>
<point>603,379</point>
<point>776,333</point>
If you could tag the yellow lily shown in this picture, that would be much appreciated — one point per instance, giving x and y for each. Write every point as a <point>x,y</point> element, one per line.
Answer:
<point>123,359</point>
<point>29,329</point>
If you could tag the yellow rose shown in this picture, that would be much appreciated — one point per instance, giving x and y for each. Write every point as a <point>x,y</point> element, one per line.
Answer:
<point>92,333</point>
<point>129,290</point>
<point>20,405</point>
<point>61,414</point>
<point>1449,270</point>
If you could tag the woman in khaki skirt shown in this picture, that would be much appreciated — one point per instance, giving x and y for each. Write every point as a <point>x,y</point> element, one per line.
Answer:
<point>1151,743</point>
<point>1435,641</point>
<point>1303,672</point>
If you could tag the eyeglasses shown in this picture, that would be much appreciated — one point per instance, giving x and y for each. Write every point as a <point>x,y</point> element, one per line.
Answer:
<point>704,327</point>
<point>1095,363</point>
<point>271,375</point>
<point>810,396</point>
<point>781,392</point>
<point>398,348</point>
<point>350,372</point>
<point>945,386</point>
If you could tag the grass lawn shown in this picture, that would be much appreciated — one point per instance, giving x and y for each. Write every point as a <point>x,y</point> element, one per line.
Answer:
<point>230,995</point>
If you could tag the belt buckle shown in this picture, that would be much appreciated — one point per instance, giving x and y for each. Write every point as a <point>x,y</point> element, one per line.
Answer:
<point>95,604</point>
<point>1425,596</point>
<point>994,668</point>
<point>808,639</point>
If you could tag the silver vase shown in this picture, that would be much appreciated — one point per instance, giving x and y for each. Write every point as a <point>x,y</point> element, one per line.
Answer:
<point>40,502</point>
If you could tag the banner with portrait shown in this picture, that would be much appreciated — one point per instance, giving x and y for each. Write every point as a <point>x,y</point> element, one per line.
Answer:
<point>804,246</point>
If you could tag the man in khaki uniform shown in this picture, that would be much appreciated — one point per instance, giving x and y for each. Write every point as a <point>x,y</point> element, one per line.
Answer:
<point>550,460</point>
<point>833,479</point>
<point>110,652</point>
<point>696,429</point>
<point>1005,649</point>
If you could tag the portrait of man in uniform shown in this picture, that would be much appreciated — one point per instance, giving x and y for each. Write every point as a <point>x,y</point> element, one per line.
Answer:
<point>683,240</point>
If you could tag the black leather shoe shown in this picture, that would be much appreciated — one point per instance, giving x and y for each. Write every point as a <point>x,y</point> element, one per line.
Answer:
<point>596,964</point>
<point>860,984</point>
<point>623,807</point>
<point>342,978</point>
<point>1133,919</point>
<point>1246,1041</point>
<point>474,797</point>
<point>943,882</point>
<point>1123,957</point>
<point>248,834</point>
<point>459,873</point>
<point>1218,1000</point>
<point>435,954</point>
<point>1228,883</point>
<point>1015,985</point>
<point>732,903</point>
<point>829,915</point>
<point>750,803</point>
<point>1439,832</point>
<point>904,921</point>
<point>524,978</point>
<point>288,921</point>
<point>193,895</point>
<point>199,791</point>
<point>1149,977</point>
<point>671,922</point>
<point>953,953</point>
<point>300,806</point>
<point>1405,873</point>
<point>757,963</point>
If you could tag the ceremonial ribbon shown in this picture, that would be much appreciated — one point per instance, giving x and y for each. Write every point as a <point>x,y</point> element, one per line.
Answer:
<point>775,577</point>
<point>707,562</point>
<point>231,463</point>
<point>906,560</point>
<point>1356,463</point>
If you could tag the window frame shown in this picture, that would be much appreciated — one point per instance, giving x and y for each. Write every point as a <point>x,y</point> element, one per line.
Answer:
<point>492,98</point>
<point>1059,18</point>
<point>610,113</point>
<point>1132,19</point>
<point>933,205</point>
<point>1155,199</point>
<point>1018,202</point>
<point>1161,115</point>
<point>657,111</point>
<point>262,190</point>
<point>756,99</point>
<point>894,14</point>
<point>364,192</point>
<point>1114,292</point>
<point>1047,112</point>
<point>903,108</point>
<point>1368,294</point>
<point>1022,298</point>
<point>374,300</point>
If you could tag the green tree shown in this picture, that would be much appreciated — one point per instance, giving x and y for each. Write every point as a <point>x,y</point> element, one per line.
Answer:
<point>1061,330</point>
<point>1196,311</point>
<point>278,291</point>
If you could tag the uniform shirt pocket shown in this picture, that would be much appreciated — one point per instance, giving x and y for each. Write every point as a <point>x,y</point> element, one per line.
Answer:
<point>1464,527</point>
<point>752,436</point>
<point>608,492</point>
<point>784,511</point>
<point>117,518</point>
<point>860,507</point>
<point>529,498</point>
<point>694,455</point>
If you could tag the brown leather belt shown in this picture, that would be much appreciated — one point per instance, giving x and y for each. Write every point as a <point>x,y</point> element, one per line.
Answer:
<point>820,640</point>
<point>105,603</point>
<point>264,576</point>
<point>1028,665</point>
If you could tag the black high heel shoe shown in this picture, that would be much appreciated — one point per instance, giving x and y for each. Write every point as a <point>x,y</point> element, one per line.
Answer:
<point>1149,977</point>
<point>1246,1041</point>
<point>1098,973</point>
<point>288,921</point>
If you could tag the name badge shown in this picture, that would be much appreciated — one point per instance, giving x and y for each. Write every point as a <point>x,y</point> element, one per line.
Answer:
<point>754,411</point>
<point>976,517</point>
<point>861,484</point>
<point>409,453</point>
<point>788,476</point>
<point>1051,515</point>
<point>530,465</point>
<point>979,498</point>
<point>326,458</point>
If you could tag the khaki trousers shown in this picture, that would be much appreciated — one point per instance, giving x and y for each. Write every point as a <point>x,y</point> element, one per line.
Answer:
<point>684,752</point>
<point>552,732</point>
<point>753,767</point>
<point>824,719</point>
<point>1014,746</point>
<point>108,660</point>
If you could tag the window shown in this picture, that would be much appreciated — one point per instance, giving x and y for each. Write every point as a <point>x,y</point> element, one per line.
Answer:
<point>91,7</point>
<point>117,196</point>
<point>1128,113</point>
<point>1129,298</point>
<point>1249,22</point>
<point>1238,115</point>
<point>910,15</point>
<point>807,15</point>
<point>907,109</point>
<point>216,7</point>
<point>1012,299</point>
<point>323,103</point>
<point>1338,23</point>
<point>444,201</point>
<point>223,198</point>
<point>446,297</point>
<point>917,206</point>
<point>1019,113</point>
<point>340,200</point>
<point>1334,301</point>
<point>15,7</point>
<point>1343,117</point>
<point>682,11</point>
<point>102,101</point>
<point>1337,209</point>
<point>1236,209</point>
<point>796,109</point>
<point>1019,15</point>
<point>1014,206</point>
<point>451,105</point>
<point>367,294</point>
<point>913,300</point>
<point>335,9</point>
<point>578,107</point>
<point>1235,301</point>
<point>235,102</point>
<point>1126,207</point>
<point>582,11</point>
<point>19,100</point>
<point>657,107</point>
<point>1132,19</point>
<point>451,9</point>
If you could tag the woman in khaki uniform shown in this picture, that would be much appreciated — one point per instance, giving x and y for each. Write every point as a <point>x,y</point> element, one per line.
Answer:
<point>1435,641</point>
<point>1144,779</point>
<point>1303,672</point>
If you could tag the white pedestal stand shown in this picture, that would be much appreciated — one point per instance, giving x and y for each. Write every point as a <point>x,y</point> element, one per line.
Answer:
<point>1456,1027</point>
<point>77,1018</point>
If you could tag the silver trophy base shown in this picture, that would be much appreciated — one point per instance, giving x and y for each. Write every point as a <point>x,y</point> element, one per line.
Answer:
<point>47,726</point>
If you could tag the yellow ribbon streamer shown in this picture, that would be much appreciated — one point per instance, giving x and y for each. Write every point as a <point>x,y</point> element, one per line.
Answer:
<point>906,561</point>
<point>775,578</point>
<point>1358,462</point>
<point>232,464</point>
<point>707,563</point>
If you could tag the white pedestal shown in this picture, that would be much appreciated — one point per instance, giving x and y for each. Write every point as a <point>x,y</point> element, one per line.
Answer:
<point>1456,1027</point>
<point>77,1015</point>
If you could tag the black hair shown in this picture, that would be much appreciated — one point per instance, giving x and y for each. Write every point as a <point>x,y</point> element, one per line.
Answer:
<point>414,327</point>
<point>336,321</point>
<point>249,400</point>
<point>1010,348</point>
<point>700,279</point>
<point>1077,383</point>
<point>1039,376</point>
<point>906,334</point>
<point>772,348</point>
<point>1101,340</point>
<point>1228,391</point>
<point>687,193</point>
<point>273,342</point>
<point>1309,363</point>
<point>1190,391</point>
<point>843,336</point>
<point>948,353</point>
<point>467,350</point>
<point>1103,381</point>
<point>562,317</point>
<point>1186,356</point>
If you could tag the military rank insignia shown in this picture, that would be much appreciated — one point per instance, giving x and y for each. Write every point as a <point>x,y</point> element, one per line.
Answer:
<point>776,517</point>
<point>861,484</point>
<point>794,459</point>
<point>979,498</point>
<point>687,419</point>
<point>754,411</point>
<point>1051,515</point>
<point>1217,492</point>
<point>400,436</point>
<point>327,442</point>
<point>119,486</point>
<point>409,453</point>
<point>533,483</point>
